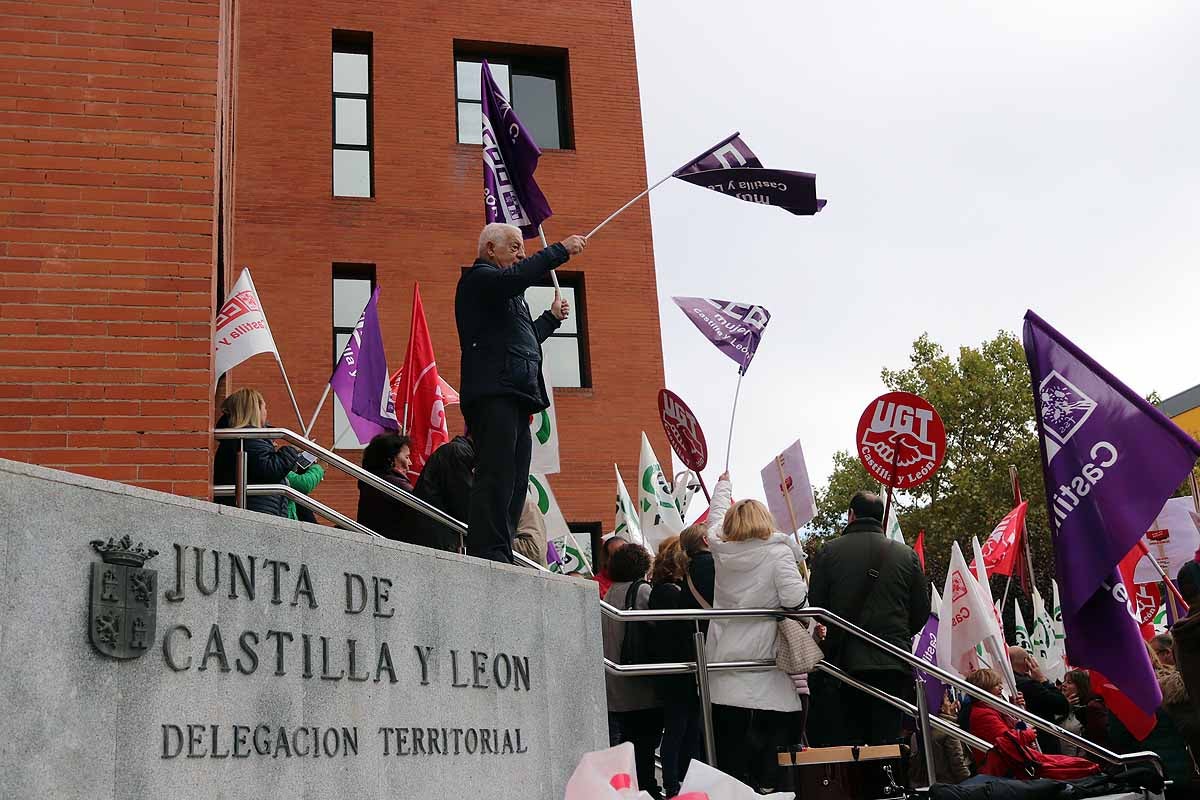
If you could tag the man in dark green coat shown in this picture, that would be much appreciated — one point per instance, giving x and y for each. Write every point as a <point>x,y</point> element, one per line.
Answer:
<point>877,584</point>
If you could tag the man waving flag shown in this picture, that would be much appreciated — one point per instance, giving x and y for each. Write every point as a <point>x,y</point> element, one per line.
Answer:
<point>1110,460</point>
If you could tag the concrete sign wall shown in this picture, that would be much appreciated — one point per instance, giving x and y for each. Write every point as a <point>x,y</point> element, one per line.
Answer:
<point>257,657</point>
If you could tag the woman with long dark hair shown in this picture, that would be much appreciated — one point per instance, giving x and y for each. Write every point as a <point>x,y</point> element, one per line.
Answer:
<point>387,456</point>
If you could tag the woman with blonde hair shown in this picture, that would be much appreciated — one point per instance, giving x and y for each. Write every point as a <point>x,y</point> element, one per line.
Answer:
<point>246,408</point>
<point>754,713</point>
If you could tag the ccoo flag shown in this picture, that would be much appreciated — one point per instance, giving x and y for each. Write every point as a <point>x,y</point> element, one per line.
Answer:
<point>349,371</point>
<point>735,328</point>
<point>510,156</point>
<point>732,168</point>
<point>417,391</point>
<point>1110,460</point>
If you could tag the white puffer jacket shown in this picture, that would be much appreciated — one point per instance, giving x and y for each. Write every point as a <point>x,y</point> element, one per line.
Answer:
<point>754,573</point>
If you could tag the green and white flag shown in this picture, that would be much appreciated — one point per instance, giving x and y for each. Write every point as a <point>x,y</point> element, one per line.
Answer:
<point>626,525</point>
<point>575,554</point>
<point>687,483</point>
<point>539,490</point>
<point>658,516</point>
<point>1043,644</point>
<point>1021,638</point>
<point>891,526</point>
<point>543,429</point>
<point>1057,668</point>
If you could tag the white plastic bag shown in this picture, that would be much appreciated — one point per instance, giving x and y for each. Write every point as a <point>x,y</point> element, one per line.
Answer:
<point>606,775</point>
<point>710,781</point>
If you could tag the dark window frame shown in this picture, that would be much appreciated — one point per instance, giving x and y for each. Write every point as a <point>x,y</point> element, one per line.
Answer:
<point>537,62</point>
<point>361,43</point>
<point>593,530</point>
<point>578,282</point>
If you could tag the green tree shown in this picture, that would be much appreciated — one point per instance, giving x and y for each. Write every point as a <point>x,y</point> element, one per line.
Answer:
<point>983,396</point>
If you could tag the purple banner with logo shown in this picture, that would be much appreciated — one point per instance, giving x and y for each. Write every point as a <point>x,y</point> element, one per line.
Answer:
<point>350,372</point>
<point>735,328</point>
<point>926,650</point>
<point>1111,460</point>
<point>732,168</point>
<point>510,156</point>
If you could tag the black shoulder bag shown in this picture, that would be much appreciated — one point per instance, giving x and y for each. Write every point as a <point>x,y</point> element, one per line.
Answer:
<point>635,642</point>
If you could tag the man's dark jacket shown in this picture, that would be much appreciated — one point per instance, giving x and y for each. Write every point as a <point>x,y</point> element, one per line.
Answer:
<point>1186,633</point>
<point>1047,702</point>
<point>445,483</point>
<point>501,342</point>
<point>896,606</point>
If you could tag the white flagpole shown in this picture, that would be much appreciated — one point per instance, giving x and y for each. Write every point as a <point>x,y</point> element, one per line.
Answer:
<point>659,183</point>
<point>291,394</point>
<point>586,563</point>
<point>312,423</point>
<point>732,416</point>
<point>553,274</point>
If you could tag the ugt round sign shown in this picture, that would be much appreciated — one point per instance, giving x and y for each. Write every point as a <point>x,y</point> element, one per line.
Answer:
<point>683,430</point>
<point>901,431</point>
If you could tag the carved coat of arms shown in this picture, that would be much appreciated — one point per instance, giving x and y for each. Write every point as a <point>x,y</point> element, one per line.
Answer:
<point>124,601</point>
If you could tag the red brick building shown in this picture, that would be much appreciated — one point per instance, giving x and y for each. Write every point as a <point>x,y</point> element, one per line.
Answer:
<point>152,148</point>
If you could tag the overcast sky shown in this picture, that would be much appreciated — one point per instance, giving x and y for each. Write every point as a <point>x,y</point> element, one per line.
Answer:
<point>979,158</point>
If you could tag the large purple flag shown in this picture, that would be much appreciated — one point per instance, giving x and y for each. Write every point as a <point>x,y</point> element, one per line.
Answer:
<point>732,168</point>
<point>735,328</point>
<point>1110,462</point>
<point>510,156</point>
<point>926,650</point>
<point>356,379</point>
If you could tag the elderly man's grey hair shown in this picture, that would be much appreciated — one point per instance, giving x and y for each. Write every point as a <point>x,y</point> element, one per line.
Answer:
<point>497,233</point>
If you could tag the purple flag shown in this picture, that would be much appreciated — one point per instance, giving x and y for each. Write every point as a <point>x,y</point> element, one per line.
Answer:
<point>732,168</point>
<point>357,373</point>
<point>926,650</point>
<point>735,328</point>
<point>1110,462</point>
<point>552,556</point>
<point>510,156</point>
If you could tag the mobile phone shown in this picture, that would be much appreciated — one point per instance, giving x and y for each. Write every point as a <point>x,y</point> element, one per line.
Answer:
<point>304,461</point>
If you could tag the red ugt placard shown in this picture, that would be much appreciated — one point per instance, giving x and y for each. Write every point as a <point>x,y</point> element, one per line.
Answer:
<point>903,429</point>
<point>683,430</point>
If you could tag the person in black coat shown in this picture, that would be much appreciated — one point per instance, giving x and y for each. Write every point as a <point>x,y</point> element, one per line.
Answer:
<point>675,642</point>
<point>877,584</point>
<point>246,408</point>
<point>701,571</point>
<point>502,382</point>
<point>445,484</point>
<point>1041,696</point>
<point>388,456</point>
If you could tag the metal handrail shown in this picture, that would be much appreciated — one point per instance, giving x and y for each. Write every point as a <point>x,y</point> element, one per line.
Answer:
<point>829,618</point>
<point>240,490</point>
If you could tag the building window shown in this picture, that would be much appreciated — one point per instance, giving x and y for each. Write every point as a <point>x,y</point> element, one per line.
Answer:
<point>352,115</point>
<point>565,352</point>
<point>535,84</point>
<point>352,287</point>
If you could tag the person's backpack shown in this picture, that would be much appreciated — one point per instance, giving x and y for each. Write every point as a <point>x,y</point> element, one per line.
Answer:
<point>635,644</point>
<point>1024,760</point>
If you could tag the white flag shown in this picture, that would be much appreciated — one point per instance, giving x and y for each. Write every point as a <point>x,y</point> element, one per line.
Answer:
<point>1043,642</point>
<point>789,493</point>
<point>626,526</point>
<point>972,620</point>
<point>544,431</point>
<point>242,330</point>
<point>1172,541</point>
<point>935,602</point>
<point>891,525</point>
<point>539,490</point>
<point>1022,631</point>
<point>658,517</point>
<point>687,483</point>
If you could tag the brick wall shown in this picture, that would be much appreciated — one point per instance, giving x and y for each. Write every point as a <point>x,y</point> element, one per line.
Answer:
<point>424,221</point>
<point>107,137</point>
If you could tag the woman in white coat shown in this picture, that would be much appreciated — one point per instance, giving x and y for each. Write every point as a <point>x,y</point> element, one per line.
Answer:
<point>754,713</point>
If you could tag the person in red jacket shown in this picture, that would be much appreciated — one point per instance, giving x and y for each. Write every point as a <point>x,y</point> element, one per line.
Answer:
<point>609,544</point>
<point>989,724</point>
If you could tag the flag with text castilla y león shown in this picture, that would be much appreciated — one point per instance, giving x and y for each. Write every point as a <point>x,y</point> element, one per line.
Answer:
<point>1002,549</point>
<point>658,516</point>
<point>352,383</point>
<point>1110,460</point>
<point>625,524</point>
<point>418,395</point>
<point>510,156</point>
<point>968,620</point>
<point>734,328</point>
<point>731,168</point>
<point>241,330</point>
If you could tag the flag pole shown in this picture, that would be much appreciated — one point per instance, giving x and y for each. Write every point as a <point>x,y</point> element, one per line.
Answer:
<point>787,496</point>
<point>732,416</point>
<point>1015,481</point>
<point>666,178</point>
<point>553,274</point>
<point>704,488</point>
<point>312,423</point>
<point>291,394</point>
<point>586,563</point>
<point>887,509</point>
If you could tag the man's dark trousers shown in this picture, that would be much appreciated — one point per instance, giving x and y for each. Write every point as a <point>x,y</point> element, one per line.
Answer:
<point>500,430</point>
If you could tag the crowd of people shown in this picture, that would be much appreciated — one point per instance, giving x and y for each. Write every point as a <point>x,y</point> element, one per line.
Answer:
<point>734,559</point>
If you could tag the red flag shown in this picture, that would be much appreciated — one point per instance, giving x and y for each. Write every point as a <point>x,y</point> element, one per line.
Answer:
<point>419,394</point>
<point>919,546</point>
<point>1002,550</point>
<point>1127,567</point>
